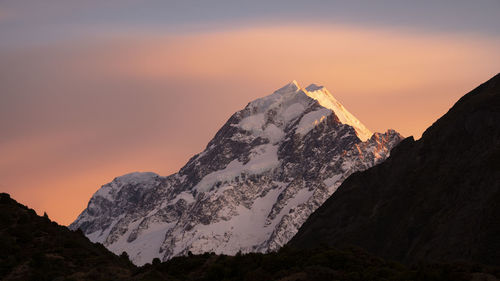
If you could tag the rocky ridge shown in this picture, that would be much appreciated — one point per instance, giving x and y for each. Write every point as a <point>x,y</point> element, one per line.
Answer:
<point>265,171</point>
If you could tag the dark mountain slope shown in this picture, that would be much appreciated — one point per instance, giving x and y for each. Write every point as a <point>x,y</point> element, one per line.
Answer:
<point>437,198</point>
<point>34,248</point>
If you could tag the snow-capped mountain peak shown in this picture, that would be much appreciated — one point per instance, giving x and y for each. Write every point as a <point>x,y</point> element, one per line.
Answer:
<point>292,84</point>
<point>289,102</point>
<point>142,179</point>
<point>291,98</point>
<point>270,166</point>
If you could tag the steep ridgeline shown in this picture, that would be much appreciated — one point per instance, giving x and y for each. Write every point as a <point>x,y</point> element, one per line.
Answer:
<point>435,199</point>
<point>265,171</point>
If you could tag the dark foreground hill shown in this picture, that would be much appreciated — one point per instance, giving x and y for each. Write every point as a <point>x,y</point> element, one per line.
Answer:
<point>34,248</point>
<point>436,199</point>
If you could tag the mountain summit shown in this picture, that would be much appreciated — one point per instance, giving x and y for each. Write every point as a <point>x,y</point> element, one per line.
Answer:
<point>265,171</point>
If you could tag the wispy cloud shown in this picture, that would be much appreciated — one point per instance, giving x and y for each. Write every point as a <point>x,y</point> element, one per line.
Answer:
<point>54,19</point>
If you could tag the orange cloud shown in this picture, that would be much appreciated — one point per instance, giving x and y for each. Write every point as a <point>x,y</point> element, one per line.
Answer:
<point>384,60</point>
<point>78,114</point>
<point>389,78</point>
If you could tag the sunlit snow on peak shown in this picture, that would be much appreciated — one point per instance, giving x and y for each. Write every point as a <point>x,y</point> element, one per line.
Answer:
<point>326,99</point>
<point>289,102</point>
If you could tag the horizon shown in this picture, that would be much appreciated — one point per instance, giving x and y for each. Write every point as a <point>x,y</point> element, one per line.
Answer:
<point>92,91</point>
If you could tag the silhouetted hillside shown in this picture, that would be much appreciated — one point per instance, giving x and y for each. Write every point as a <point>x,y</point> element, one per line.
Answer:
<point>434,199</point>
<point>34,248</point>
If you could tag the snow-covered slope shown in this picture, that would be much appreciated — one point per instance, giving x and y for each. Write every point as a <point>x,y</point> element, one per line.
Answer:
<point>265,171</point>
<point>325,98</point>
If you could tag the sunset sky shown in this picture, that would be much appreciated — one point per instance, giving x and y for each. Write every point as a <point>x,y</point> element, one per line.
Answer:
<point>91,90</point>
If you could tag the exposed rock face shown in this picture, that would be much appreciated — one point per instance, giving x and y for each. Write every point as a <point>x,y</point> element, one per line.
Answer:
<point>265,171</point>
<point>433,199</point>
